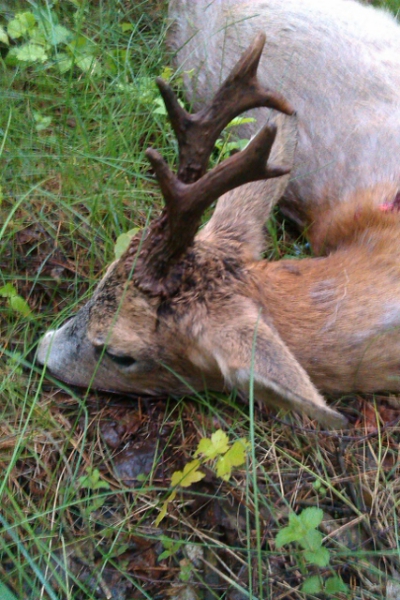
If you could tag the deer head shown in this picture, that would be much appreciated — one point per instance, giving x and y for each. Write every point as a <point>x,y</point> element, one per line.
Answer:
<point>175,313</point>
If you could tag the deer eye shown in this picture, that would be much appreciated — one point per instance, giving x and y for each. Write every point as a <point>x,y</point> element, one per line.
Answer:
<point>121,360</point>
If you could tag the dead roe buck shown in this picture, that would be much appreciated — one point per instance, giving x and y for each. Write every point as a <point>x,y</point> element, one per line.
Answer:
<point>183,311</point>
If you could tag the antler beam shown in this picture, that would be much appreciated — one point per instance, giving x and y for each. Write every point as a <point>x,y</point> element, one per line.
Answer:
<point>241,91</point>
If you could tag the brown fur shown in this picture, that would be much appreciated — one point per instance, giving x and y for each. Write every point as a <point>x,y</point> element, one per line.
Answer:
<point>348,221</point>
<point>284,329</point>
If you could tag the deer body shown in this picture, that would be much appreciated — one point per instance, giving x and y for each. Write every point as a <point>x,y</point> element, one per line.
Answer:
<point>339,314</point>
<point>343,328</point>
<point>209,313</point>
<point>336,61</point>
<point>343,345</point>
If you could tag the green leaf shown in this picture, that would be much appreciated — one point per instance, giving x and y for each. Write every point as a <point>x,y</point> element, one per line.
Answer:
<point>31,53</point>
<point>294,521</point>
<point>21,25</point>
<point>312,585</point>
<point>235,457</point>
<point>10,59</point>
<point>123,241</point>
<point>160,110</point>
<point>287,535</point>
<point>188,476</point>
<point>8,291</point>
<point>301,529</point>
<point>211,448</point>
<point>311,517</point>
<point>125,27</point>
<point>170,550</point>
<point>224,468</point>
<point>220,442</point>
<point>336,585</point>
<point>101,485</point>
<point>20,305</point>
<point>95,504</point>
<point>237,454</point>
<point>93,481</point>
<point>37,37</point>
<point>82,46</point>
<point>319,557</point>
<point>41,121</point>
<point>312,540</point>
<point>3,36</point>
<point>88,64</point>
<point>160,106</point>
<point>145,90</point>
<point>203,447</point>
<point>166,73</point>
<point>228,147</point>
<point>64,62</point>
<point>59,34</point>
<point>84,52</point>
<point>167,542</point>
<point>186,569</point>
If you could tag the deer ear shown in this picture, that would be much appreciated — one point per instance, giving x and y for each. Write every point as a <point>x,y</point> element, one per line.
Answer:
<point>251,353</point>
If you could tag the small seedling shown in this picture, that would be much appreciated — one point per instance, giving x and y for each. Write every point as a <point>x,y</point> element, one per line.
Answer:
<point>217,450</point>
<point>92,482</point>
<point>171,547</point>
<point>15,302</point>
<point>331,586</point>
<point>39,38</point>
<point>302,530</point>
<point>186,570</point>
<point>41,121</point>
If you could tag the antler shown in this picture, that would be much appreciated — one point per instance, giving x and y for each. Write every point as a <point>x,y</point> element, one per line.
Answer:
<point>187,196</point>
<point>241,91</point>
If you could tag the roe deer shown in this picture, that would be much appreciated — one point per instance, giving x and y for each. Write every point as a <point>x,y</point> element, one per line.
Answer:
<point>155,324</point>
<point>179,312</point>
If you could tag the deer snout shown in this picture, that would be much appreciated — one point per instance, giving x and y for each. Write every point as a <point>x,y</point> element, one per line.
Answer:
<point>42,353</point>
<point>67,353</point>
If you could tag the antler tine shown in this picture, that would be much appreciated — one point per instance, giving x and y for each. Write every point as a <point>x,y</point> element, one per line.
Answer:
<point>185,204</point>
<point>241,91</point>
<point>189,201</point>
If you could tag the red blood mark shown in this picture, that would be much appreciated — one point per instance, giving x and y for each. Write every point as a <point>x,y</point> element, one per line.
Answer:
<point>391,206</point>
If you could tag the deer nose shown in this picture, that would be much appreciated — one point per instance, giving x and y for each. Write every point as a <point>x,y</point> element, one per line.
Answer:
<point>44,347</point>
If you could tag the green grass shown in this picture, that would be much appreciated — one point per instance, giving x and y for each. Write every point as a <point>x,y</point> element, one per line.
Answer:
<point>392,5</point>
<point>68,190</point>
